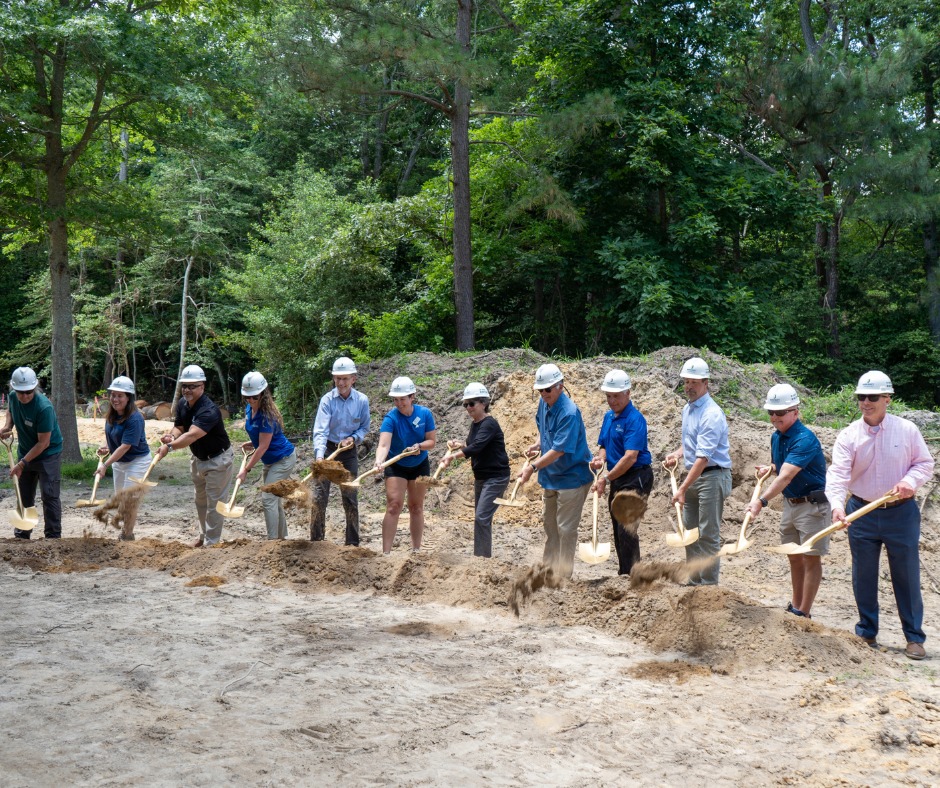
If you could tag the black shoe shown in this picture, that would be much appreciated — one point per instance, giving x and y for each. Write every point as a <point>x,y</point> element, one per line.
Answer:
<point>20,534</point>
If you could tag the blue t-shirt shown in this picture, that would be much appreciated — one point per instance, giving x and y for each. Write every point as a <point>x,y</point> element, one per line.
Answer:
<point>799,446</point>
<point>562,428</point>
<point>407,431</point>
<point>623,433</point>
<point>132,432</point>
<point>279,447</point>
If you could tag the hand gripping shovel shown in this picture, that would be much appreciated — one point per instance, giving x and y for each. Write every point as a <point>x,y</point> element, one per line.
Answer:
<point>511,500</point>
<point>435,481</point>
<point>143,480</point>
<point>229,509</point>
<point>592,552</point>
<point>24,517</point>
<point>743,543</point>
<point>83,502</point>
<point>682,537</point>
<point>791,548</point>
<point>356,482</point>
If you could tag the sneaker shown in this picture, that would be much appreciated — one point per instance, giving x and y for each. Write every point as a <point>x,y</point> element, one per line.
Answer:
<point>126,538</point>
<point>796,611</point>
<point>915,651</point>
<point>198,542</point>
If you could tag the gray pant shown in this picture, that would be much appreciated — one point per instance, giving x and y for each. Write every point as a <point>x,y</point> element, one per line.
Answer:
<point>350,497</point>
<point>210,480</point>
<point>485,492</point>
<point>561,514</point>
<point>704,504</point>
<point>274,518</point>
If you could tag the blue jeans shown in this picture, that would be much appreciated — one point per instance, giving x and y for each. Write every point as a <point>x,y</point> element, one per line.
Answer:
<point>704,504</point>
<point>486,491</point>
<point>898,529</point>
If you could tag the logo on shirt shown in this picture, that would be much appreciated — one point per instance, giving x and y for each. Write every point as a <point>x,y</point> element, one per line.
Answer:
<point>619,428</point>
<point>417,421</point>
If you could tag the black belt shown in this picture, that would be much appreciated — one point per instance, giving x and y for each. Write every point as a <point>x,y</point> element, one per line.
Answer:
<point>713,468</point>
<point>808,498</point>
<point>888,505</point>
<point>213,456</point>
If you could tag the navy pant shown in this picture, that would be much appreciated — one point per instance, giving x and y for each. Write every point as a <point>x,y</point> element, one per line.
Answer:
<point>898,529</point>
<point>47,474</point>
<point>640,480</point>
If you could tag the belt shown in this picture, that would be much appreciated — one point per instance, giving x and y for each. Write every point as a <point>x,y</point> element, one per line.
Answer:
<point>213,456</point>
<point>804,499</point>
<point>713,468</point>
<point>889,505</point>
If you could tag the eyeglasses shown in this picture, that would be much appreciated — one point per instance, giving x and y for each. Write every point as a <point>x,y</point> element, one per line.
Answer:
<point>780,412</point>
<point>869,397</point>
<point>190,386</point>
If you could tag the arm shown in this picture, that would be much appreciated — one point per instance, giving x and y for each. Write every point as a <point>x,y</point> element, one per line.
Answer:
<point>922,465</point>
<point>430,440</point>
<point>623,465</point>
<point>365,419</point>
<point>788,472</point>
<point>694,472</point>
<point>7,428</point>
<point>178,440</point>
<point>544,461</point>
<point>264,441</point>
<point>321,428</point>
<point>381,451</point>
<point>42,443</point>
<point>838,477</point>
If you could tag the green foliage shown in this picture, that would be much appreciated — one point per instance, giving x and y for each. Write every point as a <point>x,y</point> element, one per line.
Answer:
<point>81,471</point>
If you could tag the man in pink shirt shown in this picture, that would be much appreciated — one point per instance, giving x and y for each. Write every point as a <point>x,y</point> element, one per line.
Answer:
<point>877,454</point>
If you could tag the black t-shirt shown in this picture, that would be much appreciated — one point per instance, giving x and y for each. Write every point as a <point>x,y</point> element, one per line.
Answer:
<point>206,415</point>
<point>487,449</point>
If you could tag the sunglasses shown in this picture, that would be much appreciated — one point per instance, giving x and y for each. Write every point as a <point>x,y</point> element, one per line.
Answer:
<point>469,403</point>
<point>190,386</point>
<point>256,396</point>
<point>780,412</point>
<point>869,397</point>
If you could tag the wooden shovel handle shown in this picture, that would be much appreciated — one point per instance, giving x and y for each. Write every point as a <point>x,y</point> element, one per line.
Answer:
<point>20,509</point>
<point>340,450</point>
<point>870,507</point>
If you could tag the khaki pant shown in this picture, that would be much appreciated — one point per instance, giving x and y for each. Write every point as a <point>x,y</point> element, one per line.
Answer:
<point>274,518</point>
<point>210,480</point>
<point>561,514</point>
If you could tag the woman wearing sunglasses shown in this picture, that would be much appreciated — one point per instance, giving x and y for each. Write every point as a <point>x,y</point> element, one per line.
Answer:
<point>486,449</point>
<point>265,427</point>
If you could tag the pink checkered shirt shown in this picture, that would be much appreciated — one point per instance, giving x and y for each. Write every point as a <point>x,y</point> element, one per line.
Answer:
<point>869,461</point>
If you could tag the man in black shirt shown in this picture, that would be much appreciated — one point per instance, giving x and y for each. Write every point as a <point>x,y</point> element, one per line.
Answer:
<point>199,425</point>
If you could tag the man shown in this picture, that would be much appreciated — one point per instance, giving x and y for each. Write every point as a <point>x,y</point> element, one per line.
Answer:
<point>624,450</point>
<point>342,420</point>
<point>877,454</point>
<point>199,425</point>
<point>707,457</point>
<point>798,458</point>
<point>39,450</point>
<point>563,468</point>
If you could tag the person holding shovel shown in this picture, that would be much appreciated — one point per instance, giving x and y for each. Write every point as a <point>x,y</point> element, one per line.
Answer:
<point>625,452</point>
<point>342,419</point>
<point>798,458</point>
<point>877,454</point>
<point>265,427</point>
<point>486,448</point>
<point>407,425</point>
<point>126,450</point>
<point>39,449</point>
<point>564,470</point>
<point>707,455</point>
<point>199,425</point>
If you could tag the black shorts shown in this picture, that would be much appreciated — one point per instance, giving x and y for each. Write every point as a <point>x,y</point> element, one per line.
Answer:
<point>397,471</point>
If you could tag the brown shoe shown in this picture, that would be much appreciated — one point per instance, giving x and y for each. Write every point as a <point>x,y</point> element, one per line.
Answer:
<point>872,643</point>
<point>198,542</point>
<point>915,651</point>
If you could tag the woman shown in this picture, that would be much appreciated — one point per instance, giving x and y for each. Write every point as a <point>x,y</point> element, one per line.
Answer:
<point>487,452</point>
<point>407,425</point>
<point>126,442</point>
<point>265,427</point>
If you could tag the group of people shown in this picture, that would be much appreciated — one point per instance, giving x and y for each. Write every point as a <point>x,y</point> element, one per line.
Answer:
<point>878,454</point>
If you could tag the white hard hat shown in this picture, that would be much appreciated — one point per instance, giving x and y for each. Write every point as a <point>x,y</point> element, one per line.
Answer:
<point>695,369</point>
<point>616,381</point>
<point>781,397</point>
<point>547,376</point>
<point>23,379</point>
<point>344,366</point>
<point>193,374</point>
<point>874,382</point>
<point>401,387</point>
<point>253,384</point>
<point>124,384</point>
<point>475,390</point>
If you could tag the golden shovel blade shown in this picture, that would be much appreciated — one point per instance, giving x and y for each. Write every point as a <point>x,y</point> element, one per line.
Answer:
<point>734,547</point>
<point>229,511</point>
<point>26,522</point>
<point>141,481</point>
<point>82,503</point>
<point>791,548</point>
<point>510,502</point>
<point>591,554</point>
<point>674,540</point>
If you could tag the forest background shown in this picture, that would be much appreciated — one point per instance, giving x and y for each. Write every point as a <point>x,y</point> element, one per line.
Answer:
<point>247,184</point>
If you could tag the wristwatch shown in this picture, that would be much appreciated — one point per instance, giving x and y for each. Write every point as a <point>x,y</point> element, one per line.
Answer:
<point>763,502</point>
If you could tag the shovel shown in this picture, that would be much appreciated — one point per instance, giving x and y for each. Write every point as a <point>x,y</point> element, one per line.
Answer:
<point>24,517</point>
<point>355,483</point>
<point>83,502</point>
<point>434,481</point>
<point>143,481</point>
<point>743,543</point>
<point>328,468</point>
<point>229,509</point>
<point>682,537</point>
<point>791,548</point>
<point>511,500</point>
<point>592,552</point>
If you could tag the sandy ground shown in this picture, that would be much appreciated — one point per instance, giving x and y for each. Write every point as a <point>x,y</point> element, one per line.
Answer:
<point>284,663</point>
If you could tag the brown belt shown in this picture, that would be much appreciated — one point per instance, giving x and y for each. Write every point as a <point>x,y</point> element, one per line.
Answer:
<point>889,505</point>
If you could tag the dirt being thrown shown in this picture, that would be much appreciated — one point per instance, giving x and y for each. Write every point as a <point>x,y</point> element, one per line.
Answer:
<point>628,507</point>
<point>122,507</point>
<point>645,573</point>
<point>296,494</point>
<point>330,469</point>
<point>536,577</point>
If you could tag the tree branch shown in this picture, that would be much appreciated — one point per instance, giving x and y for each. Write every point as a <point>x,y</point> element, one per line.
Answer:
<point>418,97</point>
<point>742,150</point>
<point>504,144</point>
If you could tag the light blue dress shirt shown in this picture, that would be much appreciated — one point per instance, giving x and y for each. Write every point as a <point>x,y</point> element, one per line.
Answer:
<point>338,419</point>
<point>705,433</point>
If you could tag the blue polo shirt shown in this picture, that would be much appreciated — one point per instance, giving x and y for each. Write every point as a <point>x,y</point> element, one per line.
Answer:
<point>799,446</point>
<point>255,424</point>
<point>130,431</point>
<point>562,428</point>
<point>623,433</point>
<point>407,431</point>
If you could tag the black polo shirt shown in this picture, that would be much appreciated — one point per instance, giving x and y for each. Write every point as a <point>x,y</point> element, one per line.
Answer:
<point>206,415</point>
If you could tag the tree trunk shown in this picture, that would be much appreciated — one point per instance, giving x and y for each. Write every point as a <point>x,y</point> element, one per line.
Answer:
<point>460,156</point>
<point>827,264</point>
<point>183,336</point>
<point>931,250</point>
